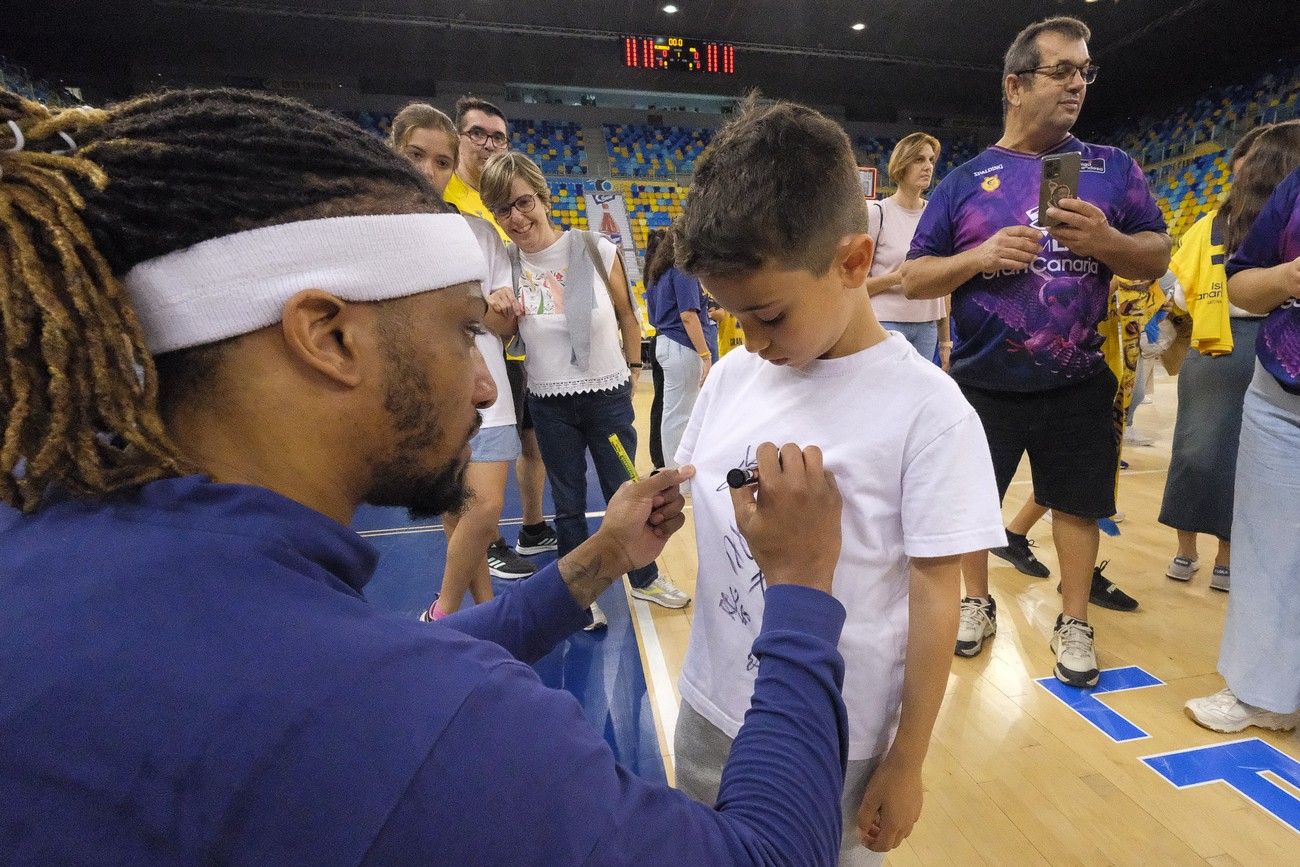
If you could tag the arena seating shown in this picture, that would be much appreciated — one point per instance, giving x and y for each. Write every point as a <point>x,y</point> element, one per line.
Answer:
<point>642,151</point>
<point>651,206</point>
<point>1186,153</point>
<point>568,205</point>
<point>556,146</point>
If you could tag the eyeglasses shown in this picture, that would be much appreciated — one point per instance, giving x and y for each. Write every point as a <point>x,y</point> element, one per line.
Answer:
<point>1064,72</point>
<point>480,137</point>
<point>523,204</point>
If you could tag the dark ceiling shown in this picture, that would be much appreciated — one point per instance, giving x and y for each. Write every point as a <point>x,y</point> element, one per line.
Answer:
<point>930,58</point>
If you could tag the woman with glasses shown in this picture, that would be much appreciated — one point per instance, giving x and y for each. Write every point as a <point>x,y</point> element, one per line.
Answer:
<point>583,347</point>
<point>427,137</point>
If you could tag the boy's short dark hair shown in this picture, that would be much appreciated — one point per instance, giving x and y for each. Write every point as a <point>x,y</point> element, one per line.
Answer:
<point>467,104</point>
<point>779,184</point>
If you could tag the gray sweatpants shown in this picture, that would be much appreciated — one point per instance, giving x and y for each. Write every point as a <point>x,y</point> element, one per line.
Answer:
<point>700,749</point>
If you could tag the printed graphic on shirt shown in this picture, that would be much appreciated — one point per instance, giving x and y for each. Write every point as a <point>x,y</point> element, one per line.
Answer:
<point>1274,238</point>
<point>1279,339</point>
<point>1032,329</point>
<point>542,292</point>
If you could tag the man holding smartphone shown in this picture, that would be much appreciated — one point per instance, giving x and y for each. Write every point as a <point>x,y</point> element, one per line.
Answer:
<point>1028,292</point>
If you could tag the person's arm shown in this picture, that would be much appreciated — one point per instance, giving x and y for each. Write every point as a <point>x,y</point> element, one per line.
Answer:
<point>1263,290</point>
<point>628,326</point>
<point>569,803</point>
<point>890,281</point>
<point>538,613</point>
<point>1086,231</point>
<point>503,312</point>
<point>891,804</point>
<point>689,299</point>
<point>1012,248</point>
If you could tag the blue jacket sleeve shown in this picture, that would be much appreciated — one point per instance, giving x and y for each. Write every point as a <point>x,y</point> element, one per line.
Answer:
<point>520,777</point>
<point>528,620</point>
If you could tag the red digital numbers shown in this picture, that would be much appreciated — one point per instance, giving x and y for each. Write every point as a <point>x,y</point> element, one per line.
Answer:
<point>676,53</point>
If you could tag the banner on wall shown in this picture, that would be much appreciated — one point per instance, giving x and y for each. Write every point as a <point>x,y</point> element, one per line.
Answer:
<point>607,214</point>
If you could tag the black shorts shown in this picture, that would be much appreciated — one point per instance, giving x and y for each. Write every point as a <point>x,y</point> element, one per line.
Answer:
<point>518,389</point>
<point>1070,436</point>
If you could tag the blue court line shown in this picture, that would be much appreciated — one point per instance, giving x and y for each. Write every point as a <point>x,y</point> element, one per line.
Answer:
<point>1083,701</point>
<point>1241,765</point>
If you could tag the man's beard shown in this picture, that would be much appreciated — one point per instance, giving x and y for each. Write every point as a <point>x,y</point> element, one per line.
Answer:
<point>400,479</point>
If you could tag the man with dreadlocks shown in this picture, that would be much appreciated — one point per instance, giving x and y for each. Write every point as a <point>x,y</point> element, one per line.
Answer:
<point>221,336</point>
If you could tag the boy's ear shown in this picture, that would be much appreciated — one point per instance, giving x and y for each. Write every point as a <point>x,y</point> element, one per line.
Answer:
<point>856,255</point>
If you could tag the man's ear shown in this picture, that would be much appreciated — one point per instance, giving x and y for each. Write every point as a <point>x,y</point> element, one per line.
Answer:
<point>855,257</point>
<point>323,332</point>
<point>1012,87</point>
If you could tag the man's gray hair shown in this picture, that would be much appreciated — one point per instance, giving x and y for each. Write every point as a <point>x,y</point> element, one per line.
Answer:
<point>1023,53</point>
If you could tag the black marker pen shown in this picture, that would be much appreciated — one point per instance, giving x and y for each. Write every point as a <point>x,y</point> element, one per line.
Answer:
<point>739,478</point>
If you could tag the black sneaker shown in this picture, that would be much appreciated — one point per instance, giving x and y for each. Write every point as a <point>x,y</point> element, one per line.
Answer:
<point>1017,553</point>
<point>538,542</point>
<point>504,563</point>
<point>1105,593</point>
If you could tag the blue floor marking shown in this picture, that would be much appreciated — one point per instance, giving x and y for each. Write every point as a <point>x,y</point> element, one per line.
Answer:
<point>1083,701</point>
<point>602,671</point>
<point>1241,765</point>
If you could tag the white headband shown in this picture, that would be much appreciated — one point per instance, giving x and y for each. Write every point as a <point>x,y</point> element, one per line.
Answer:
<point>239,283</point>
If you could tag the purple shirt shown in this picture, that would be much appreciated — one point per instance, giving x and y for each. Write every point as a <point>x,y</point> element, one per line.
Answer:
<point>667,298</point>
<point>1036,329</point>
<point>1274,238</point>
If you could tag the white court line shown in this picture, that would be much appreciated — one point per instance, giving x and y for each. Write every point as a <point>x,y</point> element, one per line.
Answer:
<point>660,683</point>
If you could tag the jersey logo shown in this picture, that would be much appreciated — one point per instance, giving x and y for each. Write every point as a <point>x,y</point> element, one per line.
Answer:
<point>990,183</point>
<point>1096,164</point>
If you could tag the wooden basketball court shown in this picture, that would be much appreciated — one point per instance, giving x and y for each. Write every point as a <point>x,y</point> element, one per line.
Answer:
<point>1014,775</point>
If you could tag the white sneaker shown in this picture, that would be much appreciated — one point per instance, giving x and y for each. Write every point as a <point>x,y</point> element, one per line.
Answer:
<point>1076,659</point>
<point>662,591</point>
<point>1224,712</point>
<point>1221,578</point>
<point>598,619</point>
<point>1182,568</point>
<point>979,620</point>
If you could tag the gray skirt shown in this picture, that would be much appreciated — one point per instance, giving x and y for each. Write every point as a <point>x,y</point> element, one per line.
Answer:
<point>1203,466</point>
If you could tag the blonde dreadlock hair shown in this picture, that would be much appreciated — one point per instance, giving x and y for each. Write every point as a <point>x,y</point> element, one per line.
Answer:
<point>79,392</point>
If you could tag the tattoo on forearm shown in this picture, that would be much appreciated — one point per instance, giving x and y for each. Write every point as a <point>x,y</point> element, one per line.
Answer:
<point>585,580</point>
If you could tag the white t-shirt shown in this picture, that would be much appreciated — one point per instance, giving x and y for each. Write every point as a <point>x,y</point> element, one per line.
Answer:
<point>912,463</point>
<point>893,239</point>
<point>502,412</point>
<point>545,326</point>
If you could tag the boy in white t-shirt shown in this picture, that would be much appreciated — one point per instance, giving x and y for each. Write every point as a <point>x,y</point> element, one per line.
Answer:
<point>775,227</point>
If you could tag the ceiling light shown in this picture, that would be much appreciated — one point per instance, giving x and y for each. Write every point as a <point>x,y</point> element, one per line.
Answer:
<point>670,9</point>
<point>859,26</point>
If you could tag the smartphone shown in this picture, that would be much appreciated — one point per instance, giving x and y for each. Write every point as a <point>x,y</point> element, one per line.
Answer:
<point>1060,180</point>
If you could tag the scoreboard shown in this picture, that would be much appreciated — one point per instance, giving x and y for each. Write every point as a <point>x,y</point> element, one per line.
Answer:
<point>677,53</point>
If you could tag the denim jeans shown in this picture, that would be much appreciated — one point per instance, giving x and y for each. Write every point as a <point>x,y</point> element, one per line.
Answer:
<point>924,336</point>
<point>568,426</point>
<point>681,388</point>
